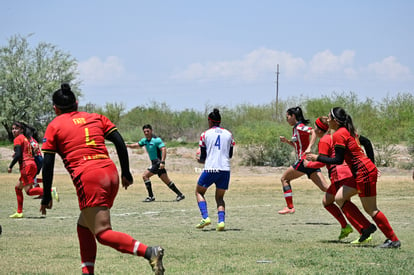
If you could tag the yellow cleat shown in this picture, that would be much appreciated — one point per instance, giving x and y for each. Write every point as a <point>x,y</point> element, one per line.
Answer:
<point>220,226</point>
<point>16,215</point>
<point>345,232</point>
<point>55,194</point>
<point>203,223</point>
<point>357,242</point>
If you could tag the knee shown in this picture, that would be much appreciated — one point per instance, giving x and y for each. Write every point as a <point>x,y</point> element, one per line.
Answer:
<point>220,202</point>
<point>340,200</point>
<point>284,181</point>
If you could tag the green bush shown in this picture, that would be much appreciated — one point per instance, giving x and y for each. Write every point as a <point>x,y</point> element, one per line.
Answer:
<point>260,141</point>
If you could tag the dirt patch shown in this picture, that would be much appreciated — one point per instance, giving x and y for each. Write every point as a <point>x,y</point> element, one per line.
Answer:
<point>182,160</point>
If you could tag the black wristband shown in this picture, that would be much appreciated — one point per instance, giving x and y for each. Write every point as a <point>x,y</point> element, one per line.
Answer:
<point>162,162</point>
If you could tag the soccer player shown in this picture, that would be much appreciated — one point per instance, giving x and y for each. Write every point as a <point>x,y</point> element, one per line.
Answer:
<point>23,154</point>
<point>38,157</point>
<point>157,153</point>
<point>216,150</point>
<point>79,138</point>
<point>346,144</point>
<point>339,175</point>
<point>303,138</point>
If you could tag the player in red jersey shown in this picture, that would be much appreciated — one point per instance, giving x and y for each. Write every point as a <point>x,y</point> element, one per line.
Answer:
<point>347,147</point>
<point>23,154</point>
<point>339,175</point>
<point>303,138</point>
<point>79,138</point>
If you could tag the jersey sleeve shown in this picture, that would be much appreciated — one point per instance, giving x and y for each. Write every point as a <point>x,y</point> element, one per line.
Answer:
<point>160,143</point>
<point>49,142</point>
<point>108,126</point>
<point>141,142</point>
<point>339,138</point>
<point>202,142</point>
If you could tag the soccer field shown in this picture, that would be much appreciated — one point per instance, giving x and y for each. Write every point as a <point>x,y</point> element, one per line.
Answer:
<point>257,240</point>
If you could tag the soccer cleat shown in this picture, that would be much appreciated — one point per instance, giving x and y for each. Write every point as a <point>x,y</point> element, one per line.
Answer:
<point>55,194</point>
<point>16,215</point>
<point>180,197</point>
<point>345,232</point>
<point>149,199</point>
<point>203,223</point>
<point>287,210</point>
<point>357,242</point>
<point>367,232</point>
<point>390,244</point>
<point>157,252</point>
<point>220,226</point>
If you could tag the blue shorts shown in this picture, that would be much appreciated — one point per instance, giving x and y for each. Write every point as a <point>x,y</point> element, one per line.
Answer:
<point>298,165</point>
<point>220,178</point>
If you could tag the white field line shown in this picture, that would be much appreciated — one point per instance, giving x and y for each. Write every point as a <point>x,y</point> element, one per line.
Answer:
<point>149,213</point>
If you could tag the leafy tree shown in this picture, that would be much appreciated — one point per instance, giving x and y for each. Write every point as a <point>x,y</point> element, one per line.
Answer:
<point>28,78</point>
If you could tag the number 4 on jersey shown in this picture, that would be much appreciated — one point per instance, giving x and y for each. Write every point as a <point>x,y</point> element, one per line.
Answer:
<point>217,143</point>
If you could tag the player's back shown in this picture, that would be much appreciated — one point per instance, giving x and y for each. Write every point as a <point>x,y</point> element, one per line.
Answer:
<point>218,141</point>
<point>78,137</point>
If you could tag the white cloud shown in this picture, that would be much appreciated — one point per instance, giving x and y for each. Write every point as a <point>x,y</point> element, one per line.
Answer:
<point>389,69</point>
<point>327,63</point>
<point>95,71</point>
<point>251,67</point>
<point>323,67</point>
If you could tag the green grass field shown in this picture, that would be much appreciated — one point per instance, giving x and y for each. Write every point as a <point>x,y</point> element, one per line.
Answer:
<point>257,240</point>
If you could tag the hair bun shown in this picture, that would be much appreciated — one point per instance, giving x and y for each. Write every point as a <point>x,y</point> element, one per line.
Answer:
<point>65,87</point>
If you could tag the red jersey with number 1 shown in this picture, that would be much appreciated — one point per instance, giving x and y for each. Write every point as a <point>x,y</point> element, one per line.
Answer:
<point>79,138</point>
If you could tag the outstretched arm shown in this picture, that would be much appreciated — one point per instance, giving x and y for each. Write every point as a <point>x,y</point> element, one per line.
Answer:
<point>116,138</point>
<point>338,159</point>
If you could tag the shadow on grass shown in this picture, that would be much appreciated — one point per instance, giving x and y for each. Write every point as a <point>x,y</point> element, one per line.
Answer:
<point>227,229</point>
<point>367,245</point>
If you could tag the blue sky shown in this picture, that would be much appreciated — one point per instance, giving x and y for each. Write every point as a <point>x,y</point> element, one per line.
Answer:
<point>193,54</point>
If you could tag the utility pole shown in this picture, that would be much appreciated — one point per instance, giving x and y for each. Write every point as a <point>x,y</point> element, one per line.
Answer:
<point>277,89</point>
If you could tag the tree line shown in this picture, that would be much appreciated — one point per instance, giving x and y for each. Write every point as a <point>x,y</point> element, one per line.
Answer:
<point>29,76</point>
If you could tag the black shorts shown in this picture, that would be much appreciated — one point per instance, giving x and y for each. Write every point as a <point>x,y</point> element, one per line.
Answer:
<point>155,168</point>
<point>298,165</point>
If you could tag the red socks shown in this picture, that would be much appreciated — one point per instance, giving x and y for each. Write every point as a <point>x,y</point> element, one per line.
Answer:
<point>117,240</point>
<point>336,212</point>
<point>87,246</point>
<point>36,191</point>
<point>121,242</point>
<point>288,197</point>
<point>354,216</point>
<point>19,196</point>
<point>385,226</point>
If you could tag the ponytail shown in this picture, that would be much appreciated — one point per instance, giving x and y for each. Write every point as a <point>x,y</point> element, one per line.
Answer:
<point>343,119</point>
<point>297,111</point>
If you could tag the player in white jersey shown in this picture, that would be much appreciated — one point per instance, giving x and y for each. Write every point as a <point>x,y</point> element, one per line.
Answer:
<point>216,146</point>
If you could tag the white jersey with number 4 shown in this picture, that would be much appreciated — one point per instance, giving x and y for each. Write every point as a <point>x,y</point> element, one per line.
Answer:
<point>217,142</point>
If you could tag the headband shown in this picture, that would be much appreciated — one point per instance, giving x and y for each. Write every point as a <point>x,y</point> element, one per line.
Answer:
<point>216,121</point>
<point>334,117</point>
<point>321,125</point>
